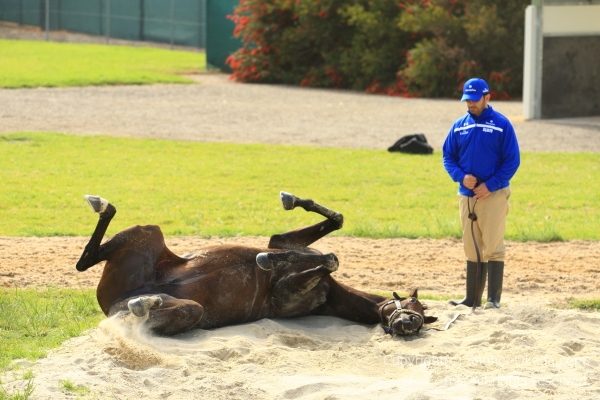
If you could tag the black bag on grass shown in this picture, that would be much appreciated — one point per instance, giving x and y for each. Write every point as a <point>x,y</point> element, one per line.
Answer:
<point>412,144</point>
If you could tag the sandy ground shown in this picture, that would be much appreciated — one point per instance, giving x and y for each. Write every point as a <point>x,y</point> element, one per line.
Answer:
<point>532,348</point>
<point>524,351</point>
<point>529,349</point>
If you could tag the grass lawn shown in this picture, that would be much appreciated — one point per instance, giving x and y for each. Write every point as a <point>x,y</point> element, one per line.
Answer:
<point>216,189</point>
<point>33,321</point>
<point>35,63</point>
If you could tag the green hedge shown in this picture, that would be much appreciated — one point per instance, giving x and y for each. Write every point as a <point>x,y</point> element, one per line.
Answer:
<point>410,48</point>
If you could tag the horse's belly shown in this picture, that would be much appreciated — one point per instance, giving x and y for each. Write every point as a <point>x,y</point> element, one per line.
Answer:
<point>231,296</point>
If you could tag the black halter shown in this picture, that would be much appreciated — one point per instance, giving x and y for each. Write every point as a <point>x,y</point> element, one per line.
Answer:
<point>387,328</point>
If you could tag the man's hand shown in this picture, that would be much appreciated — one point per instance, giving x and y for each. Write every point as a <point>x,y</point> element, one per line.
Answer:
<point>481,191</point>
<point>469,181</point>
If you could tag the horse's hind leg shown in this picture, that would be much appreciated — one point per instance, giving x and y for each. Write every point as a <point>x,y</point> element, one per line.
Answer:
<point>93,252</point>
<point>306,236</point>
<point>167,315</point>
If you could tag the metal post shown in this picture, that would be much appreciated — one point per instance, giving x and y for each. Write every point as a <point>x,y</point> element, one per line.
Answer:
<point>47,19</point>
<point>202,43</point>
<point>107,22</point>
<point>172,16</point>
<point>142,20</point>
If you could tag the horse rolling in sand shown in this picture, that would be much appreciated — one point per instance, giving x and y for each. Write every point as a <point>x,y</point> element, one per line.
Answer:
<point>230,284</point>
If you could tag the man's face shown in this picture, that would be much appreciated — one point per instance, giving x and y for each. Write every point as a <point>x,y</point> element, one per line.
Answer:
<point>477,107</point>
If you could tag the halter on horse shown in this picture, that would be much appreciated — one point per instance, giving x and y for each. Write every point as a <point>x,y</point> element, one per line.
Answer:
<point>403,321</point>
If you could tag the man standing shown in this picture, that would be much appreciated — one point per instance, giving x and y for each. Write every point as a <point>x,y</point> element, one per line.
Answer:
<point>481,153</point>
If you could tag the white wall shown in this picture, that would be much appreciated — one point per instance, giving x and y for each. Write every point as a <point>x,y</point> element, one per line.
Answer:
<point>571,20</point>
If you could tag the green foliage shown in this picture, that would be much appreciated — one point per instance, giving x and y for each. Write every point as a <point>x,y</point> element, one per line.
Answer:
<point>35,63</point>
<point>220,189</point>
<point>33,321</point>
<point>410,47</point>
<point>431,66</point>
<point>463,39</point>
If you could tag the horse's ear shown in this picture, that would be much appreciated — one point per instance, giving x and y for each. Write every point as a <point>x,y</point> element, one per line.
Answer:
<point>414,294</point>
<point>430,319</point>
<point>397,296</point>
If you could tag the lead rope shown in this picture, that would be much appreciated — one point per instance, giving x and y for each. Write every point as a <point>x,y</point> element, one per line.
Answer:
<point>452,319</point>
<point>473,218</point>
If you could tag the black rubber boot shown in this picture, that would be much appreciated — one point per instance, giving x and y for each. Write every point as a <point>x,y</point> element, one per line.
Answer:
<point>471,296</point>
<point>495,278</point>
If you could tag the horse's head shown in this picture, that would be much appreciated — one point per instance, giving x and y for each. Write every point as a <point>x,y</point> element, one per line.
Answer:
<point>403,316</point>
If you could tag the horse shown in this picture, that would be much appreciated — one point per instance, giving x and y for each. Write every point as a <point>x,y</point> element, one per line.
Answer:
<point>231,284</point>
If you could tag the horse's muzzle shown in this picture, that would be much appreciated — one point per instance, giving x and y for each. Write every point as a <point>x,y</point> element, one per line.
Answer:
<point>406,324</point>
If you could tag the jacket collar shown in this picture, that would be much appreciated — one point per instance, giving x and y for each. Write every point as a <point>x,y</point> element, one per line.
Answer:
<point>484,114</point>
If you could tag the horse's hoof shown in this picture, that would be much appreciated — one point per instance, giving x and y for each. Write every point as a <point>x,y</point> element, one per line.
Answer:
<point>338,219</point>
<point>97,203</point>
<point>141,305</point>
<point>288,200</point>
<point>332,262</point>
<point>264,262</point>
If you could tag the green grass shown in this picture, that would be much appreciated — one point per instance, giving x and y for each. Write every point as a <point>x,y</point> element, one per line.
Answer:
<point>585,304</point>
<point>216,189</point>
<point>35,63</point>
<point>33,321</point>
<point>19,394</point>
<point>422,295</point>
<point>71,388</point>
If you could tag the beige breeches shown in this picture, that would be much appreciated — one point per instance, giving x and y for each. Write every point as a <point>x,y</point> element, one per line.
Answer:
<point>489,227</point>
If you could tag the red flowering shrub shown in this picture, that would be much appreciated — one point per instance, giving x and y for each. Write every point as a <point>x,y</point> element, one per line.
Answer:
<point>321,43</point>
<point>411,47</point>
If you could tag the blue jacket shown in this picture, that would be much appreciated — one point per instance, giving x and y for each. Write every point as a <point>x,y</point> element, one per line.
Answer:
<point>484,146</point>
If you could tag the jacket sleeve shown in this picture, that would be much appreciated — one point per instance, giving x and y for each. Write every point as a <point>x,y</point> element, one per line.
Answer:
<point>511,159</point>
<point>450,157</point>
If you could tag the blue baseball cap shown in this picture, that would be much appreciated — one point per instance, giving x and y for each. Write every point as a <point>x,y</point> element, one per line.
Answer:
<point>474,89</point>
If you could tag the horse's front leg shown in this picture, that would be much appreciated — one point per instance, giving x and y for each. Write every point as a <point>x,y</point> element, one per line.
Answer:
<point>304,237</point>
<point>167,315</point>
<point>298,280</point>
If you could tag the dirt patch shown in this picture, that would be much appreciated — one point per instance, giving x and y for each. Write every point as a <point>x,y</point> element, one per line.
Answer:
<point>553,271</point>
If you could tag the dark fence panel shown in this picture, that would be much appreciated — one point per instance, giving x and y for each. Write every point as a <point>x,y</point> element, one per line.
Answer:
<point>177,22</point>
<point>84,16</point>
<point>220,41</point>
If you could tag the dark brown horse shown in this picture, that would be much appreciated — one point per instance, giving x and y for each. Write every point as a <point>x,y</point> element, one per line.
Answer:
<point>228,284</point>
